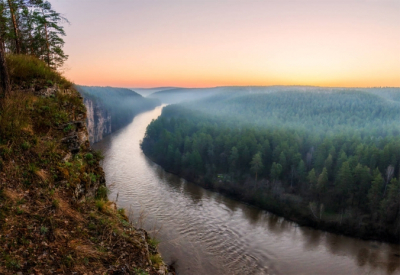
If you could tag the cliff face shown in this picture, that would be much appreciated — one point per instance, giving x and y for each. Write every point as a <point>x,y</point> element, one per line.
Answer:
<point>54,213</point>
<point>98,120</point>
<point>109,109</point>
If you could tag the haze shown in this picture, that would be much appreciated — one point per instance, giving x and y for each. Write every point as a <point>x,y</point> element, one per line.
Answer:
<point>207,43</point>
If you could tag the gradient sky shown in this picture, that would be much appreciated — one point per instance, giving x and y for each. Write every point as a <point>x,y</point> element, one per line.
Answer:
<point>203,43</point>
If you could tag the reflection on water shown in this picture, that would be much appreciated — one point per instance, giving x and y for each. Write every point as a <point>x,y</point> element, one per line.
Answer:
<point>203,232</point>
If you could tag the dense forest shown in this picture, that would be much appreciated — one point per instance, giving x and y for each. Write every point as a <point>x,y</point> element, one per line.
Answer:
<point>122,104</point>
<point>322,157</point>
<point>177,95</point>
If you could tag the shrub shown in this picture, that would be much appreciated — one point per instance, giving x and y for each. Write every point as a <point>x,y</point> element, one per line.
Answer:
<point>68,128</point>
<point>26,145</point>
<point>153,242</point>
<point>102,192</point>
<point>89,156</point>
<point>156,260</point>
<point>101,205</point>
<point>25,69</point>
<point>98,155</point>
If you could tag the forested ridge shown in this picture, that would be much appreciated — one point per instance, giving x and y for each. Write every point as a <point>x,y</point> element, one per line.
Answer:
<point>322,157</point>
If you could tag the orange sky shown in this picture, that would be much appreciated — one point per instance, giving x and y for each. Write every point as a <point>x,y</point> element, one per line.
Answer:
<point>202,43</point>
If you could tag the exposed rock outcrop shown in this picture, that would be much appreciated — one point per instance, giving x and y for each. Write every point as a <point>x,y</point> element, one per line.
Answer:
<point>98,120</point>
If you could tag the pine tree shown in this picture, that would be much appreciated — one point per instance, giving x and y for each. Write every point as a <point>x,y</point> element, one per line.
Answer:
<point>276,170</point>
<point>256,164</point>
<point>375,192</point>
<point>5,79</point>
<point>322,182</point>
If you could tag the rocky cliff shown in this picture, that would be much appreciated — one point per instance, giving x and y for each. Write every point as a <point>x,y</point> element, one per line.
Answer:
<point>109,109</point>
<point>98,120</point>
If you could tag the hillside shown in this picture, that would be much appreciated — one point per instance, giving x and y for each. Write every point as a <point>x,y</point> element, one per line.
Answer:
<point>110,109</point>
<point>177,95</point>
<point>54,213</point>
<point>148,91</point>
<point>322,157</point>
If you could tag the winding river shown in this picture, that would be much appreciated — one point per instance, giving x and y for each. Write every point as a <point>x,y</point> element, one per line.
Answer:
<point>203,232</point>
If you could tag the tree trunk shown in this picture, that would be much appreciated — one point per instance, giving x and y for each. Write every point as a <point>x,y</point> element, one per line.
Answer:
<point>5,78</point>
<point>14,21</point>
<point>47,44</point>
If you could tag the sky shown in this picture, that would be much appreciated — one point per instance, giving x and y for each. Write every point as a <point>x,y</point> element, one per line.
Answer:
<point>207,43</point>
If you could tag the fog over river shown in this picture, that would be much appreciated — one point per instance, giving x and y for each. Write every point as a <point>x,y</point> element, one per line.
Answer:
<point>203,232</point>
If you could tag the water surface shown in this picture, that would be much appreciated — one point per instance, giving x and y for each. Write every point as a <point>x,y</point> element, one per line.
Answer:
<point>203,232</point>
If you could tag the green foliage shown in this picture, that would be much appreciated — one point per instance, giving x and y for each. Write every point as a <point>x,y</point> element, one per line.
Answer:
<point>375,192</point>
<point>101,204</point>
<point>156,259</point>
<point>318,147</point>
<point>102,192</point>
<point>35,29</point>
<point>89,156</point>
<point>26,70</point>
<point>12,263</point>
<point>68,128</point>
<point>323,181</point>
<point>153,242</point>
<point>139,271</point>
<point>25,145</point>
<point>256,163</point>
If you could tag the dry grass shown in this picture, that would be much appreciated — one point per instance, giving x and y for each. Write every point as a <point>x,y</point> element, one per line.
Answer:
<point>14,116</point>
<point>87,250</point>
<point>66,210</point>
<point>13,194</point>
<point>25,70</point>
<point>45,206</point>
<point>42,174</point>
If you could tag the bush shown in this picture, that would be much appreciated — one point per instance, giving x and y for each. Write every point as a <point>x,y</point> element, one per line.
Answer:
<point>156,260</point>
<point>89,156</point>
<point>102,192</point>
<point>26,145</point>
<point>101,205</point>
<point>25,70</point>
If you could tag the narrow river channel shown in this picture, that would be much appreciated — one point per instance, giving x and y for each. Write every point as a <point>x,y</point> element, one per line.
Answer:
<point>203,232</point>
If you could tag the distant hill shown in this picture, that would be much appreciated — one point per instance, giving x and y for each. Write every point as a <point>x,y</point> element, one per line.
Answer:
<point>109,109</point>
<point>148,91</point>
<point>178,95</point>
<point>323,157</point>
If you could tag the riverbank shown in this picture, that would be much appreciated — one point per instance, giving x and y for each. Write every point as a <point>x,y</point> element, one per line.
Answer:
<point>289,208</point>
<point>55,216</point>
<point>204,232</point>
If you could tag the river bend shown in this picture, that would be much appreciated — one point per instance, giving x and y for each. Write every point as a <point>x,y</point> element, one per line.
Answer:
<point>203,232</point>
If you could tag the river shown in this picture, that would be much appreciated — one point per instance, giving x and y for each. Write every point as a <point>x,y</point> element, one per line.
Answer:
<point>203,232</point>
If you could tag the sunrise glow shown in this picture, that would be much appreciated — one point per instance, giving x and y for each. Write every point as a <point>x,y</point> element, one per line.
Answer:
<point>203,43</point>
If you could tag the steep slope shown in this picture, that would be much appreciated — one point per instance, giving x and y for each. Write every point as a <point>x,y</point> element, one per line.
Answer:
<point>110,109</point>
<point>54,213</point>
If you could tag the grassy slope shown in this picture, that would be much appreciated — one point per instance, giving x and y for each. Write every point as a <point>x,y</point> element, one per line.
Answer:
<point>54,212</point>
